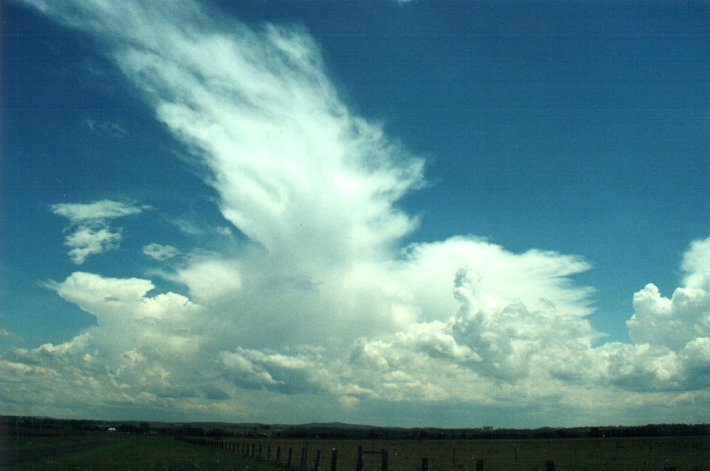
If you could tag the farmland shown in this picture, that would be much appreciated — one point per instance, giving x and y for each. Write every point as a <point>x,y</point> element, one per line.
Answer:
<point>99,451</point>
<point>94,451</point>
<point>37,444</point>
<point>623,454</point>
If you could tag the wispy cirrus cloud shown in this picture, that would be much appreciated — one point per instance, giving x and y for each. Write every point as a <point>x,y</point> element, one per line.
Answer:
<point>90,232</point>
<point>323,302</point>
<point>105,128</point>
<point>160,252</point>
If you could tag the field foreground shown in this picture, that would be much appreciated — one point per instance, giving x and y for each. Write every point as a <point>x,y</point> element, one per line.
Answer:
<point>599,454</point>
<point>101,450</point>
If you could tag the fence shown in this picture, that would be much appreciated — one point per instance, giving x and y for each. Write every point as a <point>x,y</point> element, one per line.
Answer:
<point>346,456</point>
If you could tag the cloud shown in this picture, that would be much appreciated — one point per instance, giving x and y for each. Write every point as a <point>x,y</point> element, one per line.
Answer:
<point>322,306</point>
<point>90,232</point>
<point>106,128</point>
<point>686,315</point>
<point>6,334</point>
<point>96,211</point>
<point>87,240</point>
<point>210,279</point>
<point>295,171</point>
<point>160,252</point>
<point>256,369</point>
<point>121,300</point>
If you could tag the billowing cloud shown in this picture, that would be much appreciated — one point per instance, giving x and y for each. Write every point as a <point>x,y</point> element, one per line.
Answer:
<point>210,279</point>
<point>686,315</point>
<point>322,308</point>
<point>89,232</point>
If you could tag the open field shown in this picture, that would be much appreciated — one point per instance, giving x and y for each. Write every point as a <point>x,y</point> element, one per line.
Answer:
<point>40,450</point>
<point>100,451</point>
<point>619,454</point>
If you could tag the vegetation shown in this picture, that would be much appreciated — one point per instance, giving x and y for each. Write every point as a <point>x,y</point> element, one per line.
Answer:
<point>42,443</point>
<point>118,452</point>
<point>617,454</point>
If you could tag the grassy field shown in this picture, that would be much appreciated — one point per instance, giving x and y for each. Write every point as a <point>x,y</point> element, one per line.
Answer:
<point>101,451</point>
<point>123,451</point>
<point>612,454</point>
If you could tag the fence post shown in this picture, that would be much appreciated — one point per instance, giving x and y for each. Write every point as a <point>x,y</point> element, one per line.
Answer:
<point>333,459</point>
<point>288,465</point>
<point>479,465</point>
<point>549,465</point>
<point>303,457</point>
<point>384,459</point>
<point>278,454</point>
<point>425,464</point>
<point>317,465</point>
<point>268,452</point>
<point>358,466</point>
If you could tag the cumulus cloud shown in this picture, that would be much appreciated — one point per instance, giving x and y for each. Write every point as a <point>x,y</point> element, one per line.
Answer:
<point>686,315</point>
<point>210,279</point>
<point>670,335</point>
<point>89,230</point>
<point>121,300</point>
<point>322,308</point>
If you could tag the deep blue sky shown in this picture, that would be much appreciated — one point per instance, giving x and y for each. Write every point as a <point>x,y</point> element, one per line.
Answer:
<point>574,127</point>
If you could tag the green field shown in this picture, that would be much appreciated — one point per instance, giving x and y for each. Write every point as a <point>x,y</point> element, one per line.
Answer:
<point>118,451</point>
<point>99,451</point>
<point>613,454</point>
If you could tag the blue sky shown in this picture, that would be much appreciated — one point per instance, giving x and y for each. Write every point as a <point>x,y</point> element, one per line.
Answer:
<point>376,207</point>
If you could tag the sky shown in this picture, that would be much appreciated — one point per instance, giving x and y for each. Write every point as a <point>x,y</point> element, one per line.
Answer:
<point>405,213</point>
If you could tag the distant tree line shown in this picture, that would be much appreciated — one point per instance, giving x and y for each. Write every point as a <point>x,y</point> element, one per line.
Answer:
<point>42,425</point>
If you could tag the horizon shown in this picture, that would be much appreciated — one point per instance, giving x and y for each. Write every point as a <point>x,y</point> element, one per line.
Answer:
<point>432,214</point>
<point>336,425</point>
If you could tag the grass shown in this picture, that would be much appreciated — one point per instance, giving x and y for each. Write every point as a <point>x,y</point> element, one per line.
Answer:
<point>609,454</point>
<point>153,452</point>
<point>131,452</point>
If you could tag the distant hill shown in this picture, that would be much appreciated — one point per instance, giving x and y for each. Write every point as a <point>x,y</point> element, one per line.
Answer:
<point>340,430</point>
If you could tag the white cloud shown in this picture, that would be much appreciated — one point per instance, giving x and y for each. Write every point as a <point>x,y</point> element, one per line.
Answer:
<point>686,315</point>
<point>320,309</point>
<point>160,252</point>
<point>90,233</point>
<point>118,300</point>
<point>96,211</point>
<point>295,171</point>
<point>210,279</point>
<point>87,240</point>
